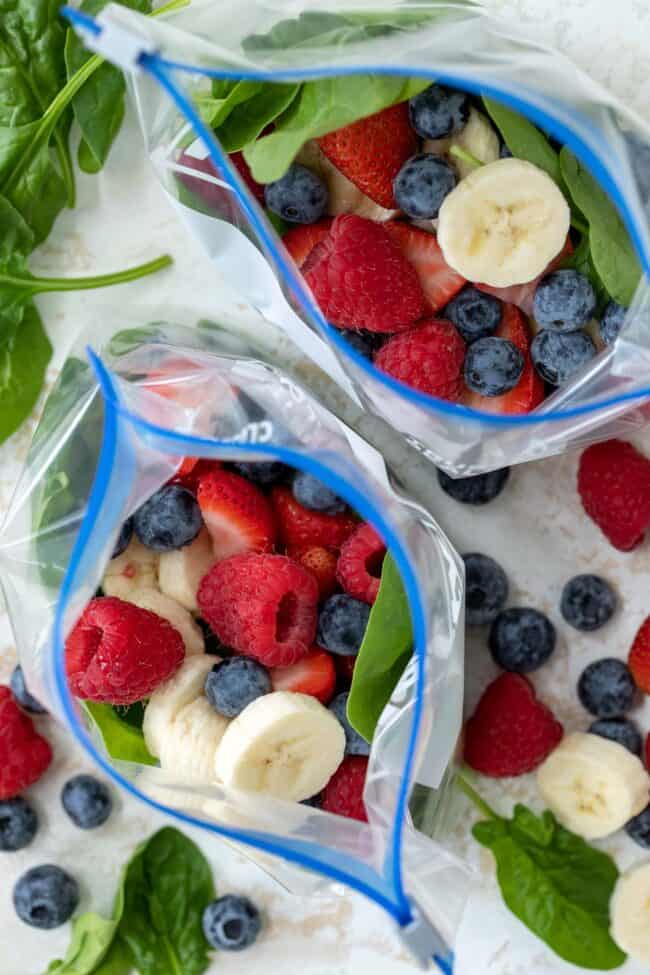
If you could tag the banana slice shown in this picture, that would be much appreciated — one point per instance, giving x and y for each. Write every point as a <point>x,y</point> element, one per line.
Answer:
<point>343,195</point>
<point>189,744</point>
<point>629,910</point>
<point>477,137</point>
<point>283,744</point>
<point>181,571</point>
<point>593,785</point>
<point>503,224</point>
<point>168,700</point>
<point>134,569</point>
<point>156,602</point>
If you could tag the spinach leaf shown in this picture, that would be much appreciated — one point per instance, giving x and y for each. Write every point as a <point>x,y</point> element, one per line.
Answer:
<point>117,961</point>
<point>122,739</point>
<point>524,140</point>
<point>252,117</point>
<point>25,351</point>
<point>92,937</point>
<point>385,652</point>
<point>215,109</point>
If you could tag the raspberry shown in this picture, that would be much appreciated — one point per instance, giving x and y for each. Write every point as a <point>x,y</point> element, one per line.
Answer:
<point>320,562</point>
<point>343,794</point>
<point>639,657</point>
<point>429,358</point>
<point>264,606</point>
<point>24,754</point>
<point>298,525</point>
<point>120,653</point>
<point>614,487</point>
<point>359,566</point>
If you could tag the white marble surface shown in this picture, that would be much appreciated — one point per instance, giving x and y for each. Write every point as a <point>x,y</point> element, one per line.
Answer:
<point>123,218</point>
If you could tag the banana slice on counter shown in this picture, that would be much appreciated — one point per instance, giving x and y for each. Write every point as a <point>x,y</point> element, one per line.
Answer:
<point>181,571</point>
<point>157,602</point>
<point>168,700</point>
<point>134,569</point>
<point>629,911</point>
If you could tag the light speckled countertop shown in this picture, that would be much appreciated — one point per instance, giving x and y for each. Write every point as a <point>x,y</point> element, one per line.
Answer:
<point>122,218</point>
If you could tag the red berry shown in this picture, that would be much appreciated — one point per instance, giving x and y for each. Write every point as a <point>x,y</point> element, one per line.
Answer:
<point>315,675</point>
<point>344,664</point>
<point>359,565</point>
<point>639,657</point>
<point>614,487</point>
<point>237,514</point>
<point>343,794</point>
<point>360,278</point>
<point>24,754</point>
<point>429,358</point>
<point>522,295</point>
<point>510,732</point>
<point>215,196</point>
<point>439,282</point>
<point>189,475</point>
<point>240,164</point>
<point>301,239</point>
<point>320,562</point>
<point>371,152</point>
<point>298,525</point>
<point>264,606</point>
<point>120,653</point>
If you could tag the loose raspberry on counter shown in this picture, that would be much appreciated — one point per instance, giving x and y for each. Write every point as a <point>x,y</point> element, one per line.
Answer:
<point>429,357</point>
<point>298,525</point>
<point>320,562</point>
<point>359,565</point>
<point>24,754</point>
<point>639,657</point>
<point>614,487</point>
<point>343,794</point>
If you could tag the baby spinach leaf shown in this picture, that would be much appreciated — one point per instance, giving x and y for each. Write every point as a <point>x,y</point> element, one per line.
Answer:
<point>122,739</point>
<point>25,351</point>
<point>385,652</point>
<point>92,937</point>
<point>524,140</point>
<point>38,191</point>
<point>117,961</point>
<point>252,117</point>
<point>215,109</point>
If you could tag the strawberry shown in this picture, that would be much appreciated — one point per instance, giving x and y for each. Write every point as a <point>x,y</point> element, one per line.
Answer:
<point>511,732</point>
<point>639,657</point>
<point>298,525</point>
<point>240,164</point>
<point>320,562</point>
<point>359,566</point>
<point>371,152</point>
<point>192,470</point>
<point>522,295</point>
<point>301,239</point>
<point>614,487</point>
<point>429,357</point>
<point>439,282</point>
<point>315,675</point>
<point>236,513</point>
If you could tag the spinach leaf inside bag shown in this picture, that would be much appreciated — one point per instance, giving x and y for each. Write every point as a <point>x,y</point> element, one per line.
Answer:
<point>121,733</point>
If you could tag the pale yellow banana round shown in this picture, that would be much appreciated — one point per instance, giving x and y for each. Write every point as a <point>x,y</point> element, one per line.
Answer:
<point>168,700</point>
<point>134,569</point>
<point>181,570</point>
<point>190,742</point>
<point>629,911</point>
<point>157,602</point>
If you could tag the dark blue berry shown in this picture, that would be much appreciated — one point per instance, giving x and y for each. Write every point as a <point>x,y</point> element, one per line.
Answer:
<point>299,196</point>
<point>620,730</point>
<point>557,356</point>
<point>18,824</point>
<point>365,343</point>
<point>476,489</point>
<point>606,688</point>
<point>231,923</point>
<point>564,301</point>
<point>612,322</point>
<point>486,589</point>
<point>46,896</point>
<point>313,494</point>
<point>87,801</point>
<point>123,539</point>
<point>437,111</point>
<point>263,472</point>
<point>587,602</point>
<point>422,184</point>
<point>342,624</point>
<point>354,743</point>
<point>233,683</point>
<point>170,519</point>
<point>521,639</point>
<point>493,366</point>
<point>22,695</point>
<point>638,828</point>
<point>504,152</point>
<point>474,313</point>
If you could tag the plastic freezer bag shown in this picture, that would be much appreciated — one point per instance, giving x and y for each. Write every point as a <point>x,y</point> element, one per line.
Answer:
<point>117,427</point>
<point>187,74</point>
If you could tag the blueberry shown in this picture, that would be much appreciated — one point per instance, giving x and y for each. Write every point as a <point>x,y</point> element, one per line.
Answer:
<point>476,489</point>
<point>564,301</point>
<point>18,824</point>
<point>235,682</point>
<point>620,730</point>
<point>557,356</point>
<point>263,472</point>
<point>87,801</point>
<point>313,494</point>
<point>299,196</point>
<point>231,923</point>
<point>486,589</point>
<point>493,366</point>
<point>22,695</point>
<point>437,111</point>
<point>365,343</point>
<point>422,184</point>
<point>606,688</point>
<point>612,322</point>
<point>521,639</point>
<point>170,519</point>
<point>638,828</point>
<point>123,539</point>
<point>354,743</point>
<point>46,896</point>
<point>342,624</point>
<point>474,313</point>
<point>587,602</point>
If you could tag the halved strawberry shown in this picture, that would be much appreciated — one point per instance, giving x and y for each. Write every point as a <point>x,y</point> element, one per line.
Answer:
<point>522,295</point>
<point>320,562</point>
<point>237,514</point>
<point>301,239</point>
<point>298,525</point>
<point>439,281</point>
<point>191,471</point>
<point>315,675</point>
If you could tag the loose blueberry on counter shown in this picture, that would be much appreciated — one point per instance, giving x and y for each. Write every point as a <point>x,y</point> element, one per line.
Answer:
<point>22,695</point>
<point>233,683</point>
<point>638,828</point>
<point>438,111</point>
<point>521,639</point>
<point>492,366</point>
<point>45,896</point>
<point>299,196</point>
<point>606,688</point>
<point>342,624</point>
<point>564,301</point>
<point>231,923</point>
<point>474,313</point>
<point>263,472</point>
<point>87,801</point>
<point>422,184</point>
<point>620,730</point>
<point>170,519</point>
<point>486,589</point>
<point>123,539</point>
<point>557,356</point>
<point>587,602</point>
<point>612,322</point>
<point>476,489</point>
<point>354,743</point>
<point>18,824</point>
<point>313,494</point>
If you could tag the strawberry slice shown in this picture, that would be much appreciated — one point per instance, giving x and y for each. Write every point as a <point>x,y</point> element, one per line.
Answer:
<point>315,675</point>
<point>439,281</point>
<point>301,240</point>
<point>320,562</point>
<point>529,391</point>
<point>522,295</point>
<point>192,470</point>
<point>298,525</point>
<point>237,514</point>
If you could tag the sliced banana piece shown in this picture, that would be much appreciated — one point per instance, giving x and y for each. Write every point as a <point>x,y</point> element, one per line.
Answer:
<point>134,569</point>
<point>503,224</point>
<point>157,602</point>
<point>189,744</point>
<point>477,138</point>
<point>593,785</point>
<point>168,700</point>
<point>283,744</point>
<point>629,910</point>
<point>344,196</point>
<point>181,570</point>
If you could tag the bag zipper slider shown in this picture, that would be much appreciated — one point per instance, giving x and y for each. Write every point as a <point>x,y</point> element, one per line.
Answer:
<point>121,45</point>
<point>424,941</point>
